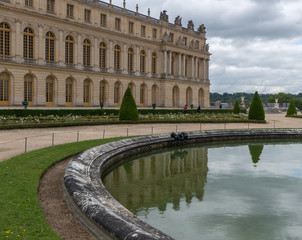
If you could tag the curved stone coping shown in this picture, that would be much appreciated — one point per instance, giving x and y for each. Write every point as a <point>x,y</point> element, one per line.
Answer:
<point>99,211</point>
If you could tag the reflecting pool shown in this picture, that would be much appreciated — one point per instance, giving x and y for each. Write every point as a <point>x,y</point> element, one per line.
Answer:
<point>247,190</point>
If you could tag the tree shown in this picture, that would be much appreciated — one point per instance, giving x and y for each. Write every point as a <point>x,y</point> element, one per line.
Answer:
<point>236,109</point>
<point>256,111</point>
<point>128,109</point>
<point>292,108</point>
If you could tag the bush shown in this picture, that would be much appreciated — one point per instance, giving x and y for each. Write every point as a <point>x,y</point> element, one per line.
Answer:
<point>256,111</point>
<point>236,109</point>
<point>128,109</point>
<point>291,108</point>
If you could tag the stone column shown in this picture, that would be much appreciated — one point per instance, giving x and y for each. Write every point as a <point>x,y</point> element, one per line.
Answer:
<point>192,66</point>
<point>165,62</point>
<point>60,48</point>
<point>18,41</point>
<point>170,63</point>
<point>196,67</point>
<point>148,61</point>
<point>184,65</point>
<point>179,65</point>
<point>207,69</point>
<point>110,58</point>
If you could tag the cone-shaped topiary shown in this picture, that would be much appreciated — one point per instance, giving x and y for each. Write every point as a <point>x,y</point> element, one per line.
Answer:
<point>236,109</point>
<point>256,111</point>
<point>128,109</point>
<point>291,108</point>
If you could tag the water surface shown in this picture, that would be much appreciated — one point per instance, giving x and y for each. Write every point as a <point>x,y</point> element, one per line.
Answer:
<point>251,190</point>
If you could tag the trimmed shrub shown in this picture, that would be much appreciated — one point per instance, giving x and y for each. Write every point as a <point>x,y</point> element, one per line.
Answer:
<point>291,108</point>
<point>128,109</point>
<point>236,109</point>
<point>256,111</point>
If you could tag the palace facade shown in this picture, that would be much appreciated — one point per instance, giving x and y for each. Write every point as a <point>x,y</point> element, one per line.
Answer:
<point>87,52</point>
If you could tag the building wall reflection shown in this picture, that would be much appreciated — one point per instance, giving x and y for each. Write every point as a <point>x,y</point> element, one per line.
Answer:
<point>160,179</point>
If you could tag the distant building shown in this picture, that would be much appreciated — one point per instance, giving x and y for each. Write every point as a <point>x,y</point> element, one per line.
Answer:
<point>83,53</point>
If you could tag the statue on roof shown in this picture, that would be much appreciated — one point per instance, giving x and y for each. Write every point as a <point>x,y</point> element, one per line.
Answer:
<point>202,29</point>
<point>177,21</point>
<point>191,25</point>
<point>164,16</point>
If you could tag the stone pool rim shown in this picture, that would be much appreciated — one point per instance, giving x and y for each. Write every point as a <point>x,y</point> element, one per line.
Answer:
<point>106,218</point>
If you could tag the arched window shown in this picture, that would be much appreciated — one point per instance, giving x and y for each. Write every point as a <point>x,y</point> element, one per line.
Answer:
<point>117,57</point>
<point>154,94</point>
<point>103,92</point>
<point>86,92</point>
<point>28,44</point>
<point>175,96</point>
<point>130,59</point>
<point>86,52</point>
<point>68,92</point>
<point>153,67</point>
<point>142,94</point>
<point>189,96</point>
<point>117,93</point>
<point>50,47</point>
<point>50,82</point>
<point>4,88</point>
<point>28,88</point>
<point>69,45</point>
<point>4,39</point>
<point>142,61</point>
<point>103,55</point>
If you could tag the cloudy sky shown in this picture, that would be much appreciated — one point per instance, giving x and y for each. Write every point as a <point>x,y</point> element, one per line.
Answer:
<point>256,45</point>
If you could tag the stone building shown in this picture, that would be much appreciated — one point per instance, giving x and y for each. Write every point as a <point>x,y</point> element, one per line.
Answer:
<point>87,52</point>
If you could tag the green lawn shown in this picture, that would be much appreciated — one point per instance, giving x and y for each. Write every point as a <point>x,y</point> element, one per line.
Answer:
<point>21,216</point>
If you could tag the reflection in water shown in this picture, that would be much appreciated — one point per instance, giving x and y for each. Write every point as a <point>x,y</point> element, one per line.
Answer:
<point>214,192</point>
<point>255,151</point>
<point>159,179</point>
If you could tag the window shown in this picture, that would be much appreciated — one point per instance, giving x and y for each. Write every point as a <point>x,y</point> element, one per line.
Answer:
<point>86,92</point>
<point>102,92</point>
<point>4,88</point>
<point>131,27</point>
<point>116,93</point>
<point>4,39</point>
<point>69,43</point>
<point>130,59</point>
<point>87,14</point>
<point>28,88</point>
<point>118,24</point>
<point>28,44</point>
<point>171,37</point>
<point>153,65</point>
<point>51,6</point>
<point>143,31</point>
<point>142,61</point>
<point>49,90</point>
<point>102,55</point>
<point>69,12</point>
<point>29,3</point>
<point>142,95</point>
<point>185,41</point>
<point>68,91</point>
<point>117,57</point>
<point>86,52</point>
<point>50,47</point>
<point>103,20</point>
<point>154,32</point>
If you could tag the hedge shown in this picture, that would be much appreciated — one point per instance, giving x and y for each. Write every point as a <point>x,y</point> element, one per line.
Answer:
<point>94,112</point>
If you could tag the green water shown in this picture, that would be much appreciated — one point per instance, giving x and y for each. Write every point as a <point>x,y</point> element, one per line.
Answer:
<point>246,191</point>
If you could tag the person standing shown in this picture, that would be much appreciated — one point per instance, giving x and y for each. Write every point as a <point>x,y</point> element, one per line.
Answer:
<point>185,109</point>
<point>198,109</point>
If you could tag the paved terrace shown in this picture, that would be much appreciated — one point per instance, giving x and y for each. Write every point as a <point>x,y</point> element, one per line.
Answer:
<point>15,142</point>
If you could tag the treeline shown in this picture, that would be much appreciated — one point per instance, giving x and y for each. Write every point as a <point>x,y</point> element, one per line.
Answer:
<point>269,98</point>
